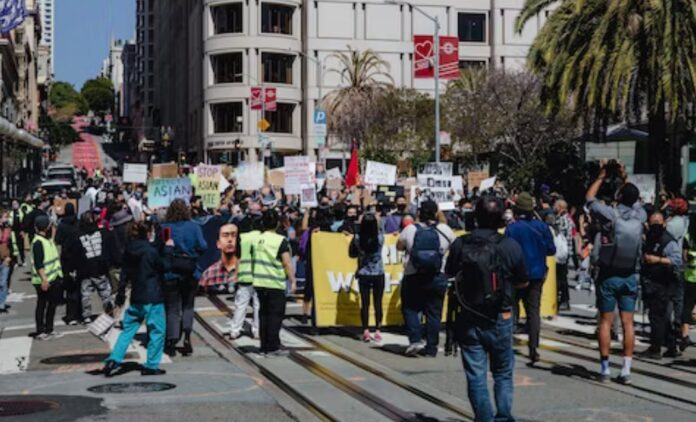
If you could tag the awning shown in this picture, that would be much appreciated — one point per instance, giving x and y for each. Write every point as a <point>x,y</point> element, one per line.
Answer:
<point>19,136</point>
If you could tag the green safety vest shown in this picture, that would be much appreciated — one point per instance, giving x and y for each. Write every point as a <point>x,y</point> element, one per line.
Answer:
<point>12,216</point>
<point>51,261</point>
<point>245,269</point>
<point>25,209</point>
<point>690,268</point>
<point>15,245</point>
<point>268,270</point>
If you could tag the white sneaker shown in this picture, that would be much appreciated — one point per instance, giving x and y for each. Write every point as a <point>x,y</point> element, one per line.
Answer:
<point>592,287</point>
<point>414,349</point>
<point>55,334</point>
<point>578,287</point>
<point>42,336</point>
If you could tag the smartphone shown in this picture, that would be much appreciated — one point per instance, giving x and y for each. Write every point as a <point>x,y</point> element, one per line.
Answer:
<point>166,234</point>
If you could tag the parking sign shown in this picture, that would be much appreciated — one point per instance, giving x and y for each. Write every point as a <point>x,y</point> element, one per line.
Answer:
<point>319,123</point>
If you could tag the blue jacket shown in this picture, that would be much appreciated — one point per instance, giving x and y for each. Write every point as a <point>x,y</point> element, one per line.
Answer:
<point>143,267</point>
<point>188,240</point>
<point>536,241</point>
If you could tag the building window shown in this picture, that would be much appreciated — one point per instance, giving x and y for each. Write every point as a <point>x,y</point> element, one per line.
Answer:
<point>276,18</point>
<point>227,18</point>
<point>227,68</point>
<point>281,119</point>
<point>225,117</point>
<point>277,68</point>
<point>472,64</point>
<point>472,27</point>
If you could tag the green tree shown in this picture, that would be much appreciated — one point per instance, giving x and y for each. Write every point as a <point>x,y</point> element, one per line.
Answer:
<point>623,57</point>
<point>66,101</point>
<point>59,132</point>
<point>364,76</point>
<point>99,94</point>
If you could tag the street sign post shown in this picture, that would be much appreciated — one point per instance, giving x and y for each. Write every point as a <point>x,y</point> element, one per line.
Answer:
<point>320,126</point>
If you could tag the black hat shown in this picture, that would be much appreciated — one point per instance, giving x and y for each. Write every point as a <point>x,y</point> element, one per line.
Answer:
<point>41,223</point>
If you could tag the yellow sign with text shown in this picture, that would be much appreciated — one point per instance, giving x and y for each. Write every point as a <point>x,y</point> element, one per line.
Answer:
<point>336,291</point>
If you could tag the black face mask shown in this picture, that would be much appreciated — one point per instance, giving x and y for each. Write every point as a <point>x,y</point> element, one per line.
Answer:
<point>401,207</point>
<point>656,231</point>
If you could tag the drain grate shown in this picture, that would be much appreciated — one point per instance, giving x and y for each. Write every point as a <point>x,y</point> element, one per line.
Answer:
<point>25,407</point>
<point>131,388</point>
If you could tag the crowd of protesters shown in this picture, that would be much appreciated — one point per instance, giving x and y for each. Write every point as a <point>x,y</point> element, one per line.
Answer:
<point>256,241</point>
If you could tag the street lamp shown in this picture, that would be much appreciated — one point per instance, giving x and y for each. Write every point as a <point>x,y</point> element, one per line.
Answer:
<point>436,41</point>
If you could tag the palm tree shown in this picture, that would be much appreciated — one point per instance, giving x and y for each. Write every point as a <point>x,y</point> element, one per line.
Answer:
<point>363,75</point>
<point>623,56</point>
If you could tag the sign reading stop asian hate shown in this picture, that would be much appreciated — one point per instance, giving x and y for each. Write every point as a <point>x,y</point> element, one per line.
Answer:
<point>161,192</point>
<point>208,185</point>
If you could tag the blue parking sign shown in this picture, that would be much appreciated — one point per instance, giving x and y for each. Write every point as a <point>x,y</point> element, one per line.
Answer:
<point>319,117</point>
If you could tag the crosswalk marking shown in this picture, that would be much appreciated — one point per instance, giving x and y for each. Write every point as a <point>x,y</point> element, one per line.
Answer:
<point>15,352</point>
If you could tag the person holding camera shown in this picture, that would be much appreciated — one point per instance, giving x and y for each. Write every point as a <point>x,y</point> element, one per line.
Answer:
<point>617,253</point>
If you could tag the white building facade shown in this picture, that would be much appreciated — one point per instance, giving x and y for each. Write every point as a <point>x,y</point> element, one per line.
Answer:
<point>48,16</point>
<point>262,43</point>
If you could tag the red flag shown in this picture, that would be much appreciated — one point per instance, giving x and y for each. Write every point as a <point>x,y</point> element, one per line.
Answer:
<point>353,174</point>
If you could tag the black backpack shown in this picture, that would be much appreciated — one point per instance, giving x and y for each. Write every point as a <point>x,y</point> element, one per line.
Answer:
<point>478,283</point>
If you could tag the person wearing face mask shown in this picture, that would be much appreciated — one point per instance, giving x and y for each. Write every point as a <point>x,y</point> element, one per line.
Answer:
<point>662,262</point>
<point>135,203</point>
<point>392,223</point>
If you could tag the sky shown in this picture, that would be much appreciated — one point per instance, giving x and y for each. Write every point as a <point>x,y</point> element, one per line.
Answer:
<point>83,30</point>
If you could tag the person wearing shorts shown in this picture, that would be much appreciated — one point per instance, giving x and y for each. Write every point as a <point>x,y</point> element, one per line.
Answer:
<point>617,291</point>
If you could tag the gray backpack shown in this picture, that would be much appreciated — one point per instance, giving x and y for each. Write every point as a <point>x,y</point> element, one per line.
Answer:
<point>620,245</point>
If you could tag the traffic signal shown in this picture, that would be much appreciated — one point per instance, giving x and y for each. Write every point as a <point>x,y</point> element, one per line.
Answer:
<point>182,158</point>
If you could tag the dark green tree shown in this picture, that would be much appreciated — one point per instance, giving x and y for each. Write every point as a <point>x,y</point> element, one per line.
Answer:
<point>66,101</point>
<point>99,94</point>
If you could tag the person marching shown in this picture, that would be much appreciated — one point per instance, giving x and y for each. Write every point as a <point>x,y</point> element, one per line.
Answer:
<point>245,289</point>
<point>46,274</point>
<point>271,266</point>
<point>16,218</point>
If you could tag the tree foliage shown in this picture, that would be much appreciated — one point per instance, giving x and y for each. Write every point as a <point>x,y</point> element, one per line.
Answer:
<point>99,94</point>
<point>66,101</point>
<point>59,132</point>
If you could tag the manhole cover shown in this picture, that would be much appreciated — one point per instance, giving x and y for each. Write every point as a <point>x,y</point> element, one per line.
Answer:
<point>131,387</point>
<point>25,407</point>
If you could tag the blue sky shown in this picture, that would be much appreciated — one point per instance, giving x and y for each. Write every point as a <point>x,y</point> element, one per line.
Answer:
<point>83,29</point>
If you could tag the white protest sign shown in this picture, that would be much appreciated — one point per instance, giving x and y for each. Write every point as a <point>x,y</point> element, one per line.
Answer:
<point>377,173</point>
<point>223,184</point>
<point>334,173</point>
<point>487,184</point>
<point>299,172</point>
<point>308,196</point>
<point>134,173</point>
<point>457,184</point>
<point>208,184</point>
<point>646,186</point>
<point>250,176</point>
<point>435,183</point>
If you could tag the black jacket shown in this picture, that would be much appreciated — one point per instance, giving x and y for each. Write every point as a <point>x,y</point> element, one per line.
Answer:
<point>144,268</point>
<point>67,237</point>
<point>96,252</point>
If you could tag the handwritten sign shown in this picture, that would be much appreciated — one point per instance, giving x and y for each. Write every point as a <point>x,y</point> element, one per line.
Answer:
<point>298,173</point>
<point>377,173</point>
<point>250,176</point>
<point>134,173</point>
<point>208,184</point>
<point>161,192</point>
<point>474,179</point>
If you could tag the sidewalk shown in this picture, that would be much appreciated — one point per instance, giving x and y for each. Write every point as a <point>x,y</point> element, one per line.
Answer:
<point>58,377</point>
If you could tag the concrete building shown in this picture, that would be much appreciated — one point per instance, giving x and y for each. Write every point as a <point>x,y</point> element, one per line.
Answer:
<point>112,68</point>
<point>130,77</point>
<point>47,13</point>
<point>145,119</point>
<point>253,43</point>
<point>29,93</point>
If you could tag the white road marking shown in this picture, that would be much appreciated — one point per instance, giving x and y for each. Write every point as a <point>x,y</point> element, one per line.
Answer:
<point>19,297</point>
<point>15,352</point>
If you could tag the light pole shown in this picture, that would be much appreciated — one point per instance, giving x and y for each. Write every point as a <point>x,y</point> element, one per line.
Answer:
<point>321,68</point>
<point>263,103</point>
<point>436,59</point>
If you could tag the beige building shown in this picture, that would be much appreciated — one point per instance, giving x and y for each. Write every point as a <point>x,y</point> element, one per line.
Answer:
<point>26,44</point>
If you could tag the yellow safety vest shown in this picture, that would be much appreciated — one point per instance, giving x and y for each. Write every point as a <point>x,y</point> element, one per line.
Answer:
<point>12,216</point>
<point>690,264</point>
<point>15,245</point>
<point>26,208</point>
<point>51,261</point>
<point>268,270</point>
<point>245,269</point>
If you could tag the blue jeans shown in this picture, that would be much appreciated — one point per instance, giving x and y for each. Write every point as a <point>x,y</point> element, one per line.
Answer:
<point>4,274</point>
<point>423,294</point>
<point>478,343</point>
<point>153,314</point>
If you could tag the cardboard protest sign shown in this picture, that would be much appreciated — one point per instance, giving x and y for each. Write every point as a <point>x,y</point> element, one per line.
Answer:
<point>435,183</point>
<point>165,171</point>
<point>334,184</point>
<point>208,185</point>
<point>474,179</point>
<point>250,176</point>
<point>299,172</point>
<point>276,177</point>
<point>134,173</point>
<point>161,192</point>
<point>377,173</point>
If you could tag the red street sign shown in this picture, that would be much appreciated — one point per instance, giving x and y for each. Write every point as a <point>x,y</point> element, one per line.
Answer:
<point>424,57</point>
<point>255,100</point>
<point>270,99</point>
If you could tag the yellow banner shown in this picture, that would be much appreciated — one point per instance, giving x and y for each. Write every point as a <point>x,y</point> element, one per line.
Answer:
<point>336,291</point>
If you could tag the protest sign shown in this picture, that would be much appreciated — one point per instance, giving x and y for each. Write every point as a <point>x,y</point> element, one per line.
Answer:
<point>334,173</point>
<point>84,204</point>
<point>165,171</point>
<point>134,173</point>
<point>388,194</point>
<point>276,177</point>
<point>457,184</point>
<point>250,176</point>
<point>299,172</point>
<point>208,185</point>
<point>474,179</point>
<point>60,203</point>
<point>646,186</point>
<point>377,173</point>
<point>435,183</point>
<point>334,184</point>
<point>223,184</point>
<point>487,184</point>
<point>308,196</point>
<point>161,192</point>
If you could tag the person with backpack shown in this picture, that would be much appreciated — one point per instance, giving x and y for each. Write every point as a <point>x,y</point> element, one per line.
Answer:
<point>367,247</point>
<point>616,252</point>
<point>662,262</point>
<point>537,243</point>
<point>564,238</point>
<point>424,284</point>
<point>486,268</point>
